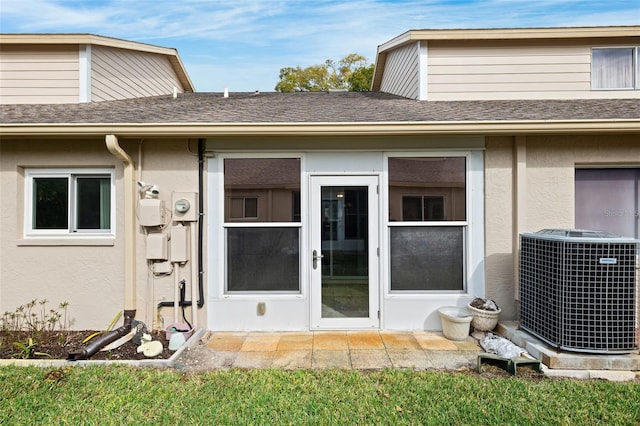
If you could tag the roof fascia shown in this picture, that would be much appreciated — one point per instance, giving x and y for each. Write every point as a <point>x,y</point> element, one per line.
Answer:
<point>326,129</point>
<point>511,34</point>
<point>98,40</point>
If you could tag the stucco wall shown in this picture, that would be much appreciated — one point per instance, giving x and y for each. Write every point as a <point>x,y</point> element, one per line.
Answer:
<point>88,276</point>
<point>548,200</point>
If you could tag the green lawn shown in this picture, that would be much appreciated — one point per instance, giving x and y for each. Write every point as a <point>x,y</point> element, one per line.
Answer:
<point>124,395</point>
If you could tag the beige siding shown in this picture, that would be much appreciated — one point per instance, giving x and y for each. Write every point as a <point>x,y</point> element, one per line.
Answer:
<point>401,73</point>
<point>39,75</point>
<point>510,70</point>
<point>122,74</point>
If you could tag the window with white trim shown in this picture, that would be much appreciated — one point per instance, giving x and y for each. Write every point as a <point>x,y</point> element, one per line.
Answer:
<point>262,225</point>
<point>427,223</point>
<point>615,68</point>
<point>71,202</point>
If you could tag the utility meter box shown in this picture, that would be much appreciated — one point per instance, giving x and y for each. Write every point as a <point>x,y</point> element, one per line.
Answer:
<point>185,206</point>
<point>179,244</point>
<point>157,246</point>
<point>151,212</point>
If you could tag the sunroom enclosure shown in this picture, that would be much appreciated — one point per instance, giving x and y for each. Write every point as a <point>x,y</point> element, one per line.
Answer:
<point>368,239</point>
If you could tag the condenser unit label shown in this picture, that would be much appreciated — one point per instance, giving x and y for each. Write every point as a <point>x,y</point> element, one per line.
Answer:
<point>608,261</point>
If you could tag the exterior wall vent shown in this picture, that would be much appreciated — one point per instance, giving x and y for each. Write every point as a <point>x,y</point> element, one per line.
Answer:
<point>578,289</point>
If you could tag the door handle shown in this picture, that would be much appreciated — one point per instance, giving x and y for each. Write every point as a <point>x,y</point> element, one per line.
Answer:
<point>316,256</point>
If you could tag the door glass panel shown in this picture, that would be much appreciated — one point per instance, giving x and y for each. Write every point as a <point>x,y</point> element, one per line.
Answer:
<point>345,243</point>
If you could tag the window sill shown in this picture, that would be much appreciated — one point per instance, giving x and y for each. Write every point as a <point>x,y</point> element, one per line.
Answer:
<point>59,241</point>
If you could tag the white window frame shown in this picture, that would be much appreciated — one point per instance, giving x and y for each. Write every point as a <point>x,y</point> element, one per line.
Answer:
<point>71,175</point>
<point>635,84</point>
<point>473,229</point>
<point>253,223</point>
<point>463,224</point>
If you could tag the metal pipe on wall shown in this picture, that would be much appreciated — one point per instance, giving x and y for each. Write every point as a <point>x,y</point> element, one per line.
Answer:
<point>129,221</point>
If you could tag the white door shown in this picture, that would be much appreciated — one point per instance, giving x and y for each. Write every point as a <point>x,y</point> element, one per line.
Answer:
<point>344,252</point>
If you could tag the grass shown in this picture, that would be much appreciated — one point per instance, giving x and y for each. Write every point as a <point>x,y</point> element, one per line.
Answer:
<point>125,395</point>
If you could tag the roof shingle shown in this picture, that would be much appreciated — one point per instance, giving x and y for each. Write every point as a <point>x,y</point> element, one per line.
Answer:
<point>315,107</point>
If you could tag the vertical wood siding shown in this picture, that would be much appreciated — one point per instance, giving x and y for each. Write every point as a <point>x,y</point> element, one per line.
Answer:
<point>39,75</point>
<point>506,70</point>
<point>401,72</point>
<point>122,74</point>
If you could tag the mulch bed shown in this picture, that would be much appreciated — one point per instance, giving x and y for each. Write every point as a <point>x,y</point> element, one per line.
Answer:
<point>58,344</point>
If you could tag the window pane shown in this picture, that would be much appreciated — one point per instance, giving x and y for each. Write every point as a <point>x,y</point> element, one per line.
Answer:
<point>50,203</point>
<point>435,185</point>
<point>263,259</point>
<point>273,182</point>
<point>612,68</point>
<point>608,200</point>
<point>251,207</point>
<point>356,217</point>
<point>236,208</point>
<point>93,197</point>
<point>427,258</point>
<point>433,208</point>
<point>411,208</point>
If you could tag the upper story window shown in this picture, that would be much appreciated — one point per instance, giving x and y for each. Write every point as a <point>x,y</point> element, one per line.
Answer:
<point>615,68</point>
<point>69,202</point>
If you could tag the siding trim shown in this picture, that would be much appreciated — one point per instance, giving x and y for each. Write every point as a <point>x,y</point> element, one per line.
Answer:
<point>85,73</point>
<point>423,70</point>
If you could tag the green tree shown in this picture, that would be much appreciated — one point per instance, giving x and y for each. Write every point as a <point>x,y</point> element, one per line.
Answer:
<point>352,73</point>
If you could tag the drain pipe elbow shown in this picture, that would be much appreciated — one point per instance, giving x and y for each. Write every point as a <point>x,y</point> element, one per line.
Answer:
<point>129,221</point>
<point>101,341</point>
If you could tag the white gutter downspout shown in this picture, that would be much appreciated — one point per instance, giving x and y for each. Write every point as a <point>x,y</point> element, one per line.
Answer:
<point>129,222</point>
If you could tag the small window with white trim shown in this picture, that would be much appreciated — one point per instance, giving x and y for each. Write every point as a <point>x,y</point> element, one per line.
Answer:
<point>69,202</point>
<point>615,68</point>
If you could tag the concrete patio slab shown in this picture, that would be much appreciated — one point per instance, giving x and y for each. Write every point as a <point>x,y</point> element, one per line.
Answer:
<point>263,359</point>
<point>434,341</point>
<point>370,359</point>
<point>399,341</point>
<point>450,360</point>
<point>330,340</point>
<point>292,359</point>
<point>412,358</point>
<point>226,341</point>
<point>296,341</point>
<point>322,359</point>
<point>364,340</point>
<point>263,342</point>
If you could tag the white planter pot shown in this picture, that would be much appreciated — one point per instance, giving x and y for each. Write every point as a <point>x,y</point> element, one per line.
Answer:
<point>484,320</point>
<point>455,322</point>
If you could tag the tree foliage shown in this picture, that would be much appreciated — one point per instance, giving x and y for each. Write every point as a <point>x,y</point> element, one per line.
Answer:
<point>352,73</point>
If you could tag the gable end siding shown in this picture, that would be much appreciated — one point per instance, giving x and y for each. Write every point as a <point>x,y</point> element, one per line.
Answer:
<point>401,76</point>
<point>39,75</point>
<point>124,74</point>
<point>507,70</point>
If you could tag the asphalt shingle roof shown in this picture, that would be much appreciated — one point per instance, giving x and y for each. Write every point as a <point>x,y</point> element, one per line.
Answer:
<point>317,107</point>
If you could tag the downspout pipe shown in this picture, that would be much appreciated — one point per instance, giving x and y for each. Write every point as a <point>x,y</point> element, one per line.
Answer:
<point>103,340</point>
<point>129,222</point>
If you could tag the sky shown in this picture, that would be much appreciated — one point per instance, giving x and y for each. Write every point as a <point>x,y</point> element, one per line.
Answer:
<point>242,44</point>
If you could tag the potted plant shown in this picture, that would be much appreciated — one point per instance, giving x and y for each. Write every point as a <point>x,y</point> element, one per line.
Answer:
<point>485,314</point>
